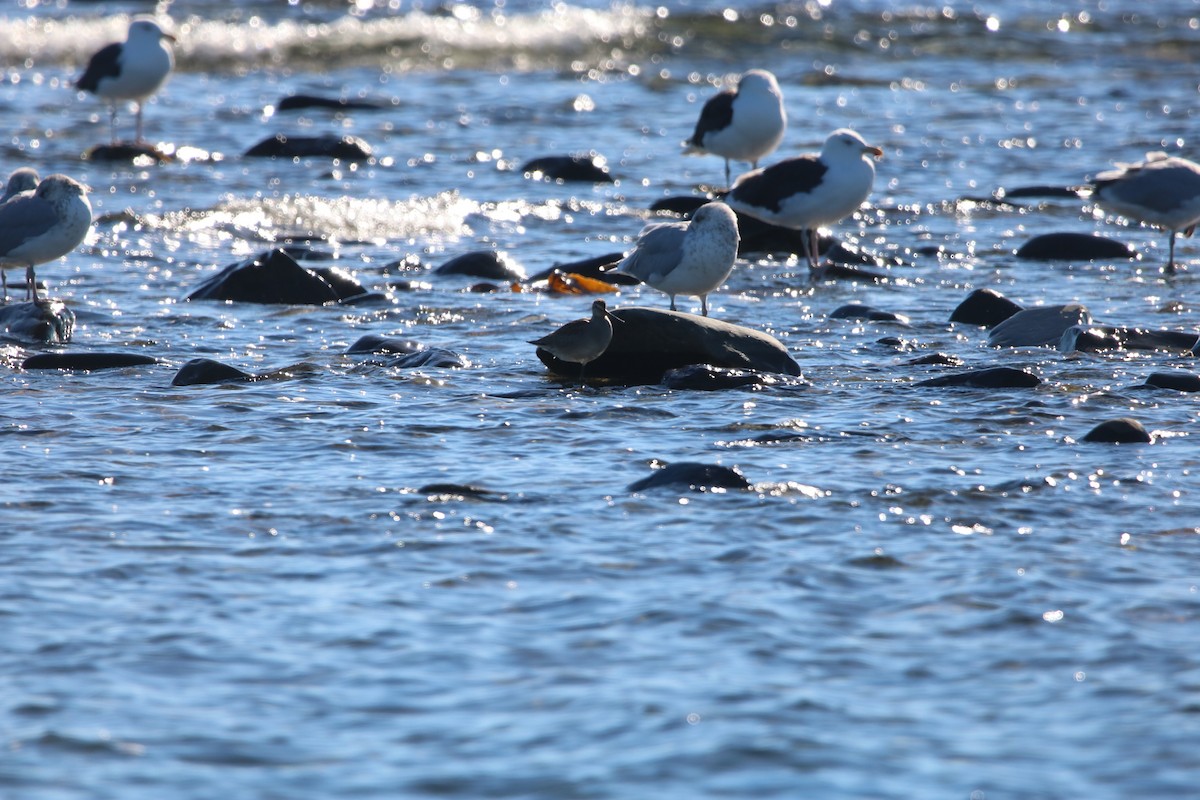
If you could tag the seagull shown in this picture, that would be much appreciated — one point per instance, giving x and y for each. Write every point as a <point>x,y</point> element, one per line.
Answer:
<point>24,179</point>
<point>811,190</point>
<point>41,226</point>
<point>133,70</point>
<point>1163,190</point>
<point>691,258</point>
<point>583,340</point>
<point>742,125</point>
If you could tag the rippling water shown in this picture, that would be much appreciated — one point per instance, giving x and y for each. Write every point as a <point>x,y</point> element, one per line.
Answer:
<point>928,593</point>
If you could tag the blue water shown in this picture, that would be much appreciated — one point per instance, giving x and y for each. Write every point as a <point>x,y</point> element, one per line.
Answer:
<point>242,589</point>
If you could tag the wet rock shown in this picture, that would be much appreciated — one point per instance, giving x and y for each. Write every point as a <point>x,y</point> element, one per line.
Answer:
<point>270,278</point>
<point>282,145</point>
<point>985,307</point>
<point>1037,327</point>
<point>482,264</point>
<point>375,343</point>
<point>990,378</point>
<point>589,168</point>
<point>302,102</point>
<point>1099,338</point>
<point>693,476</point>
<point>590,268</point>
<point>860,311</point>
<point>432,357</point>
<point>1037,191</point>
<point>1123,430</point>
<point>683,206</point>
<point>344,284</point>
<point>48,322</point>
<point>649,341</point>
<point>706,378</point>
<point>1178,380</point>
<point>1074,247</point>
<point>86,362</point>
<point>937,360</point>
<point>203,371</point>
<point>127,153</point>
<point>461,491</point>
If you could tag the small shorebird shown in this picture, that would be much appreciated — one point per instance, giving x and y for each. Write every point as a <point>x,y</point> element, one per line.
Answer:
<point>583,340</point>
<point>690,258</point>
<point>745,124</point>
<point>132,70</point>
<point>24,179</point>
<point>808,191</point>
<point>41,226</point>
<point>1163,191</point>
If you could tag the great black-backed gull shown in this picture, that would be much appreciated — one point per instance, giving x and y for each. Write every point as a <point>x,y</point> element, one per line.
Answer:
<point>811,190</point>
<point>131,70</point>
<point>745,124</point>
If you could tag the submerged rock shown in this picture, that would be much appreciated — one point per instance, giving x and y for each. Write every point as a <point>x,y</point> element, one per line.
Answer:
<point>486,264</point>
<point>1097,338</point>
<point>300,102</point>
<point>1179,381</point>
<point>693,476</point>
<point>48,322</point>
<point>127,153</point>
<point>985,307</point>
<point>860,311</point>
<point>375,343</point>
<point>706,378</point>
<point>203,371</point>
<point>989,378</point>
<point>589,168</point>
<point>281,145</point>
<point>1074,247</point>
<point>1122,430</point>
<point>86,362</point>
<point>269,278</point>
<point>648,342</point>
<point>1037,327</point>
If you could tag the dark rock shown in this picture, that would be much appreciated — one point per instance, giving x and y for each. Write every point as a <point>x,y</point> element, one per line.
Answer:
<point>1074,247</point>
<point>482,264</point>
<point>985,307</point>
<point>1097,338</point>
<point>48,322</point>
<point>589,168</point>
<point>299,102</point>
<point>1123,430</point>
<point>281,145</point>
<point>684,206</point>
<point>990,378</point>
<point>269,278</point>
<point>344,285</point>
<point>86,362</point>
<point>589,268</point>
<point>1037,191</point>
<point>202,371</point>
<point>433,357</point>
<point>693,476</point>
<point>374,343</point>
<point>859,311</point>
<point>1179,381</point>
<point>937,360</point>
<point>126,153</point>
<point>463,491</point>
<point>1037,327</point>
<point>649,341</point>
<point>706,378</point>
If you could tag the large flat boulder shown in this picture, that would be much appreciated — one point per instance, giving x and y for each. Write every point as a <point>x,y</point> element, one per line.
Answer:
<point>648,342</point>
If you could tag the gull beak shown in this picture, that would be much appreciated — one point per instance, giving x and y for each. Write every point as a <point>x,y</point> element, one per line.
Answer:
<point>875,151</point>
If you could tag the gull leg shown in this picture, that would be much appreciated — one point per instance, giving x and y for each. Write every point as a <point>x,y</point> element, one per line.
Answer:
<point>112,122</point>
<point>138,140</point>
<point>4,283</point>
<point>31,284</point>
<point>727,173</point>
<point>672,302</point>
<point>704,304</point>
<point>1170,270</point>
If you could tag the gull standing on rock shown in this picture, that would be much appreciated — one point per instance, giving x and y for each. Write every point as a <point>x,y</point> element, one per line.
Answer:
<point>24,179</point>
<point>690,258</point>
<point>133,70</point>
<point>1163,190</point>
<point>811,190</point>
<point>41,226</point>
<point>745,124</point>
<point>583,340</point>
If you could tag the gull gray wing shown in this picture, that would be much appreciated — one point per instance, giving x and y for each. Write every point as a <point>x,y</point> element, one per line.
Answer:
<point>659,250</point>
<point>24,218</point>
